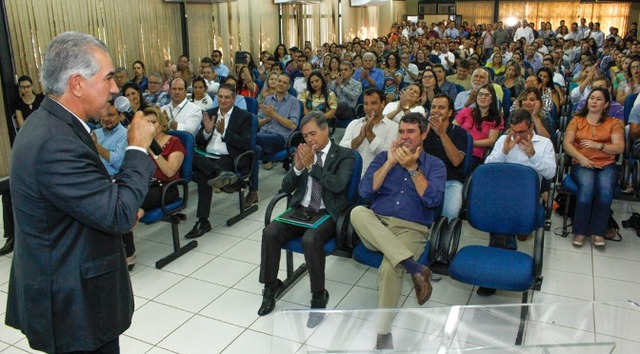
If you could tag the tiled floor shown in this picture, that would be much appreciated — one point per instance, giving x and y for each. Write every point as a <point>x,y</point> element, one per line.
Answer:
<point>206,301</point>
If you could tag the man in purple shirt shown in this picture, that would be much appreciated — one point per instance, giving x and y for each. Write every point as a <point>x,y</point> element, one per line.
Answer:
<point>405,186</point>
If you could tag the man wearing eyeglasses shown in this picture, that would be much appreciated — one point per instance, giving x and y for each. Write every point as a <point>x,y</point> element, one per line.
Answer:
<point>523,146</point>
<point>155,96</point>
<point>347,89</point>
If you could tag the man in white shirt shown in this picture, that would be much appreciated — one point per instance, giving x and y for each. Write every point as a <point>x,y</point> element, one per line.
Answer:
<point>597,35</point>
<point>411,71</point>
<point>522,146</point>
<point>182,114</point>
<point>371,134</point>
<point>447,59</point>
<point>524,32</point>
<point>208,75</point>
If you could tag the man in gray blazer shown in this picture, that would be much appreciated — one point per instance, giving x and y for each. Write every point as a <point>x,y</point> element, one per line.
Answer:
<point>69,289</point>
<point>321,168</point>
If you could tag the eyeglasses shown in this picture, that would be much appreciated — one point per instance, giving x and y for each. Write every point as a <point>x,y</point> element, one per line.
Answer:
<point>521,132</point>
<point>154,83</point>
<point>483,94</point>
<point>428,77</point>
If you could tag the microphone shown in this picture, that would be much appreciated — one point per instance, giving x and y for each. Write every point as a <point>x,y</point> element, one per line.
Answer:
<point>122,105</point>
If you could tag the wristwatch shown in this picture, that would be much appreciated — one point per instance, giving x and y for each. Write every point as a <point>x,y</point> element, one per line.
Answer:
<point>414,173</point>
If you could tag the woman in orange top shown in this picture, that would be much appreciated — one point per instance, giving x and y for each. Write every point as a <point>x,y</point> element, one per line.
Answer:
<point>592,139</point>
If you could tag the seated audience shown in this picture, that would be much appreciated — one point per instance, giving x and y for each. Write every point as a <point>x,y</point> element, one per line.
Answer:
<point>448,88</point>
<point>269,87</point>
<point>592,140</point>
<point>632,84</point>
<point>199,96</point>
<point>224,134</point>
<point>461,77</point>
<point>448,142</point>
<point>182,114</point>
<point>531,100</point>
<point>168,165</point>
<point>616,110</point>
<point>483,122</point>
<point>371,134</point>
<point>246,86</point>
<point>155,96</point>
<point>210,78</point>
<point>369,75</point>
<point>347,90</point>
<point>318,182</point>
<point>240,101</point>
<point>521,145</point>
<point>410,99</point>
<point>139,76</point>
<point>393,75</point>
<point>278,117</point>
<point>512,80</point>
<point>317,96</point>
<point>405,186</point>
<point>429,88</point>
<point>111,140</point>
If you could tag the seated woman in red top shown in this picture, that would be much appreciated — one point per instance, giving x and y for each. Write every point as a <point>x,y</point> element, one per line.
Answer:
<point>168,165</point>
<point>484,122</point>
<point>246,86</point>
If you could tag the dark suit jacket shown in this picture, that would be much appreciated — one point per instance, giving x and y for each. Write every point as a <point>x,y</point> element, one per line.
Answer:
<point>69,288</point>
<point>237,137</point>
<point>333,177</point>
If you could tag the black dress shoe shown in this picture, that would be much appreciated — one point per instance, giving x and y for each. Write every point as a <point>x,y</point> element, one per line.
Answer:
<point>8,247</point>
<point>318,303</point>
<point>269,296</point>
<point>199,229</point>
<point>384,341</point>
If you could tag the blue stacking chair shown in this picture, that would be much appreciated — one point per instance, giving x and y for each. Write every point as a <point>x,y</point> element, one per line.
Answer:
<point>332,245</point>
<point>244,178</point>
<point>503,198</point>
<point>172,212</point>
<point>252,105</point>
<point>628,104</point>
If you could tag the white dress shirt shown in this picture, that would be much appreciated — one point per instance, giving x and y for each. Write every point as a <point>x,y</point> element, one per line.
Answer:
<point>386,132</point>
<point>187,114</point>
<point>307,194</point>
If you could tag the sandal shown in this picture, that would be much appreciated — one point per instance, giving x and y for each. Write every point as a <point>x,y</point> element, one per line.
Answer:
<point>578,240</point>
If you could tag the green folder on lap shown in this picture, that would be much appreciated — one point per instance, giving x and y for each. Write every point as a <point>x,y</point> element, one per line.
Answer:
<point>207,154</point>
<point>302,217</point>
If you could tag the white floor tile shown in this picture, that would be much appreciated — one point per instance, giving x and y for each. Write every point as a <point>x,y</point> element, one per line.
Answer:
<point>191,295</point>
<point>344,270</point>
<point>622,346</point>
<point>616,290</point>
<point>224,271</point>
<point>151,282</point>
<point>359,297</point>
<point>234,306</point>
<point>259,343</point>
<point>133,346</point>
<point>201,335</point>
<point>215,243</point>
<point>615,268</point>
<point>246,251</point>
<point>189,262</point>
<point>154,321</point>
<point>567,261</point>
<point>568,284</point>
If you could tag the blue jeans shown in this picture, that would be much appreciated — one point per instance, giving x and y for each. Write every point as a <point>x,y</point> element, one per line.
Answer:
<point>266,143</point>
<point>593,202</point>
<point>452,199</point>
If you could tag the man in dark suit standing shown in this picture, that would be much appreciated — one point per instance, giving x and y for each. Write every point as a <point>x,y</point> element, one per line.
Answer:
<point>318,163</point>
<point>224,134</point>
<point>69,289</point>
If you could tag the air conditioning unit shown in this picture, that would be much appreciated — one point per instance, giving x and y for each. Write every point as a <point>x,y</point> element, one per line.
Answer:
<point>277,2</point>
<point>427,9</point>
<point>359,3</point>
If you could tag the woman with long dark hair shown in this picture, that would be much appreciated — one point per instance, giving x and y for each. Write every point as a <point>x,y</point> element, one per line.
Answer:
<point>430,88</point>
<point>484,122</point>
<point>317,96</point>
<point>393,75</point>
<point>139,76</point>
<point>593,140</point>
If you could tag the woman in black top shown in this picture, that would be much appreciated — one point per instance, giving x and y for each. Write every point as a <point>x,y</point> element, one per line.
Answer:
<point>29,102</point>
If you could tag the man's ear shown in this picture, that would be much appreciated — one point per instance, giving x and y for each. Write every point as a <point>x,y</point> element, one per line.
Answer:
<point>76,85</point>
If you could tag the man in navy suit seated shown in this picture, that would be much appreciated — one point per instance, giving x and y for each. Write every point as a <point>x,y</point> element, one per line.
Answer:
<point>318,181</point>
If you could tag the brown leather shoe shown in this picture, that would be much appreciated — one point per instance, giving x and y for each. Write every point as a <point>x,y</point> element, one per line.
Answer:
<point>422,285</point>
